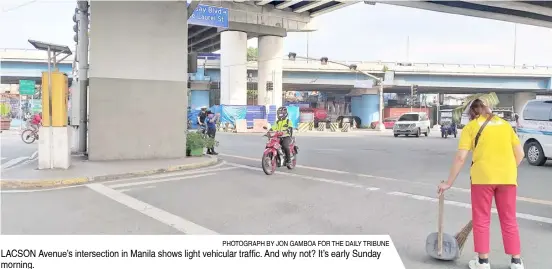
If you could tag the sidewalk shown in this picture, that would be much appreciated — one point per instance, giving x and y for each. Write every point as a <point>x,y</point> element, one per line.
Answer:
<point>27,176</point>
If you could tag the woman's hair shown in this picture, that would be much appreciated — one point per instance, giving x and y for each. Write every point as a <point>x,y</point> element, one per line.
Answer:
<point>477,108</point>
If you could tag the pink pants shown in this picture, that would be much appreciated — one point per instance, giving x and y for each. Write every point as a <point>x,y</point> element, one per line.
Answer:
<point>505,200</point>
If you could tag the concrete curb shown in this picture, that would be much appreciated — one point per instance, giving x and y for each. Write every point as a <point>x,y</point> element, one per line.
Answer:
<point>52,183</point>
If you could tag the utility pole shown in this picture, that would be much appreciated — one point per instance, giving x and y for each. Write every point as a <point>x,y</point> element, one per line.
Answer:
<point>408,49</point>
<point>82,55</point>
<point>515,43</point>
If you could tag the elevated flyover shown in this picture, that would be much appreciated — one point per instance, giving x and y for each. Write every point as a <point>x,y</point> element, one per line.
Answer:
<point>261,18</point>
<point>537,13</point>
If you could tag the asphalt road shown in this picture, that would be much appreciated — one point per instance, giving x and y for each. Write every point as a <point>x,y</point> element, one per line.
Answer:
<point>13,149</point>
<point>365,184</point>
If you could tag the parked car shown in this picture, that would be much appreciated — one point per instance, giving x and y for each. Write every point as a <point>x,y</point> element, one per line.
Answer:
<point>535,131</point>
<point>413,123</point>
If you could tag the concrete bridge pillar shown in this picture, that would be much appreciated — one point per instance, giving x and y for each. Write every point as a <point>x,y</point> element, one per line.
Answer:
<point>270,69</point>
<point>520,98</point>
<point>233,68</point>
<point>138,81</point>
<point>365,105</point>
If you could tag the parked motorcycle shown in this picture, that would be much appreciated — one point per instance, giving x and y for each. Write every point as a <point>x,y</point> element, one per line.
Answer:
<point>274,156</point>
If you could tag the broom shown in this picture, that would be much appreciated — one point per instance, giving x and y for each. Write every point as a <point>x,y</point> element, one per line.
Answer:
<point>462,236</point>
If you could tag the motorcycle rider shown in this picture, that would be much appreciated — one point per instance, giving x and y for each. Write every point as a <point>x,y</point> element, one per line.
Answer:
<point>283,124</point>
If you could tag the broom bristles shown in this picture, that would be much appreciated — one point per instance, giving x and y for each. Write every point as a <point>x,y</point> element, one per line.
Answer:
<point>462,236</point>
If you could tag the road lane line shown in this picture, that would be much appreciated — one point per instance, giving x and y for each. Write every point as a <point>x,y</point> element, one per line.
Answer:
<point>466,205</point>
<point>519,198</point>
<point>298,166</point>
<point>160,215</point>
<point>331,181</point>
<point>395,193</point>
<point>13,162</point>
<point>173,174</point>
<point>139,183</point>
<point>137,189</point>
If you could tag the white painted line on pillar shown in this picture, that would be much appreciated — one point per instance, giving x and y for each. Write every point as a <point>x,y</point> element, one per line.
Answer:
<point>160,215</point>
<point>519,198</point>
<point>124,185</point>
<point>466,205</point>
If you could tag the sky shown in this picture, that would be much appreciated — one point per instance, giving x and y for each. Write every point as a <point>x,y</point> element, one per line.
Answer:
<point>356,33</point>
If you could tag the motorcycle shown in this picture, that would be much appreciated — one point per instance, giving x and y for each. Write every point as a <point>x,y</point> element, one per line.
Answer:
<point>274,156</point>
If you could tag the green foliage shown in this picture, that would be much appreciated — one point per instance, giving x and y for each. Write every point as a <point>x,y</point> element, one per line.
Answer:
<point>5,110</point>
<point>211,142</point>
<point>196,140</point>
<point>385,68</point>
<point>252,54</point>
<point>490,99</point>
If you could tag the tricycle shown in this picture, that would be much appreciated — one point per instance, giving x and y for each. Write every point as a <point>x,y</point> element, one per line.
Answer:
<point>448,128</point>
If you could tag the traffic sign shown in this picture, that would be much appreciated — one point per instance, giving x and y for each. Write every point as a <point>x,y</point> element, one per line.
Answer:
<point>210,16</point>
<point>27,87</point>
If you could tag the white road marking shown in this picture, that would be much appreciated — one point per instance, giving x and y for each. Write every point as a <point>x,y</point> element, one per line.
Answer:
<point>160,215</point>
<point>13,162</point>
<point>402,194</point>
<point>174,174</point>
<point>34,155</point>
<point>123,185</point>
<point>298,166</point>
<point>80,186</point>
<point>331,181</point>
<point>136,189</point>
<point>466,205</point>
<point>519,198</point>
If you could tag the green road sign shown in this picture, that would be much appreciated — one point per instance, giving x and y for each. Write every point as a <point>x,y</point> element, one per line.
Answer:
<point>27,87</point>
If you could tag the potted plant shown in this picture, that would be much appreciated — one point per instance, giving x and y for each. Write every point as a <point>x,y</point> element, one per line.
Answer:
<point>211,142</point>
<point>5,116</point>
<point>195,144</point>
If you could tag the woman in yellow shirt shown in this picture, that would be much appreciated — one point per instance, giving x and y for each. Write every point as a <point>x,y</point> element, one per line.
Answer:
<point>496,155</point>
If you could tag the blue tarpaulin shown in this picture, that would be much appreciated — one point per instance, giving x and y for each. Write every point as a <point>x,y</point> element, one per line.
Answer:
<point>293,115</point>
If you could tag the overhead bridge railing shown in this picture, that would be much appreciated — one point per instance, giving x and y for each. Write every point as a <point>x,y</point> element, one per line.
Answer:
<point>381,66</point>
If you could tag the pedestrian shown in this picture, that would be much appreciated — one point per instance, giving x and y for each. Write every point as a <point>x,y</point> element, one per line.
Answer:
<point>211,122</point>
<point>496,154</point>
<point>201,119</point>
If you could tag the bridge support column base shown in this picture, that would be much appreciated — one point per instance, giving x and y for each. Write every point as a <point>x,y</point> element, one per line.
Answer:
<point>233,68</point>
<point>520,98</point>
<point>271,50</point>
<point>138,82</point>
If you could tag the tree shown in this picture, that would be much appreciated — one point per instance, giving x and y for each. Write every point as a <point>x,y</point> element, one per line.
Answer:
<point>252,54</point>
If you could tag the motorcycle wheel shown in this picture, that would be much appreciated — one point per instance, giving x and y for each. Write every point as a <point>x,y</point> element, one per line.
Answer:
<point>28,137</point>
<point>293,162</point>
<point>269,164</point>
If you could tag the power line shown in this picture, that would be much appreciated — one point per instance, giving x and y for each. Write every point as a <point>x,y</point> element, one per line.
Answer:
<point>19,6</point>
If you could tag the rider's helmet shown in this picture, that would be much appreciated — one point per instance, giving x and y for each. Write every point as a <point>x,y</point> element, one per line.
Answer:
<point>282,113</point>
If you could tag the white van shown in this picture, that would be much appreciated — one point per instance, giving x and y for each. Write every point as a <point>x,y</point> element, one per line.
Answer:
<point>413,123</point>
<point>535,131</point>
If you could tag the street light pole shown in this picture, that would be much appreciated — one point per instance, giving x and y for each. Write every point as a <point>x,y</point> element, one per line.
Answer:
<point>378,80</point>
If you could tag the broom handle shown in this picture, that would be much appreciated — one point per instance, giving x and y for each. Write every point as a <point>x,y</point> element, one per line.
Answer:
<point>440,233</point>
